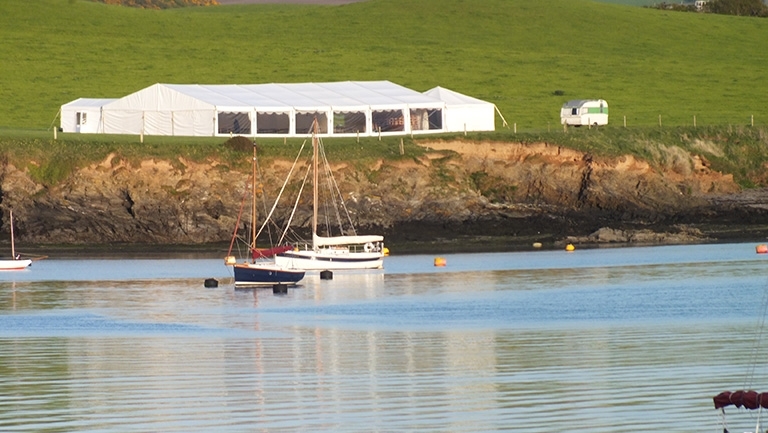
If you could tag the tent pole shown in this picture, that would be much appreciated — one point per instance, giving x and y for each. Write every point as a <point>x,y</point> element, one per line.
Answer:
<point>58,113</point>
<point>504,121</point>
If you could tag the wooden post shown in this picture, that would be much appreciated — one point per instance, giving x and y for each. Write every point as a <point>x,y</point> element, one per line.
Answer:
<point>55,132</point>
<point>694,120</point>
<point>625,120</point>
<point>465,129</point>
<point>358,136</point>
<point>402,149</point>
<point>659,119</point>
<point>379,133</point>
<point>515,128</point>
<point>565,128</point>
<point>752,120</point>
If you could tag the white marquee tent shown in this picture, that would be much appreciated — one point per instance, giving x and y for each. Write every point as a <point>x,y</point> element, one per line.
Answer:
<point>464,113</point>
<point>348,108</point>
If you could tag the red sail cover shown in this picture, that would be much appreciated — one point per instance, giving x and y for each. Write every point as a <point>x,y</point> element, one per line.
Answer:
<point>258,253</point>
<point>748,399</point>
<point>723,399</point>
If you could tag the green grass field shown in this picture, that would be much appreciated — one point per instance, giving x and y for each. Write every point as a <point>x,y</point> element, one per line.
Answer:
<point>515,53</point>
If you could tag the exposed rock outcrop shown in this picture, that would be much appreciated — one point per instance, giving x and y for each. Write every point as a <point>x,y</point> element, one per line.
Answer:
<point>460,188</point>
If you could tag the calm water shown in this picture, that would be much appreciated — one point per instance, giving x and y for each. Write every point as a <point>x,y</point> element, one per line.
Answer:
<point>604,340</point>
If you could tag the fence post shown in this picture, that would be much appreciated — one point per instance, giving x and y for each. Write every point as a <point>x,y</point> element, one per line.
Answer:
<point>694,120</point>
<point>752,120</point>
<point>659,120</point>
<point>625,120</point>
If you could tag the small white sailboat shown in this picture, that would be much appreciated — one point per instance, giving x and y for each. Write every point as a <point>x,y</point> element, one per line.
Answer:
<point>15,263</point>
<point>346,251</point>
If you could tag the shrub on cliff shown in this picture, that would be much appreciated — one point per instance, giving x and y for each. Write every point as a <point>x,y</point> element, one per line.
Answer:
<point>159,4</point>
<point>752,8</point>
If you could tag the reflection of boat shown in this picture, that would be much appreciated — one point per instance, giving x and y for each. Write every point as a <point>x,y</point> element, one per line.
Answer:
<point>748,399</point>
<point>262,269</point>
<point>15,263</point>
<point>344,251</point>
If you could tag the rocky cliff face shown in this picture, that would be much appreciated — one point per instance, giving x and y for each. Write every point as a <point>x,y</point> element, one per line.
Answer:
<point>458,189</point>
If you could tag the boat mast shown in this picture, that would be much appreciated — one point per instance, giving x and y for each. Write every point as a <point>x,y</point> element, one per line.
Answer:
<point>13,247</point>
<point>314,183</point>
<point>253,200</point>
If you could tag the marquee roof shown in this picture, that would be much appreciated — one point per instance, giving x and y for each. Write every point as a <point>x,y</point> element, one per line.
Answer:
<point>273,97</point>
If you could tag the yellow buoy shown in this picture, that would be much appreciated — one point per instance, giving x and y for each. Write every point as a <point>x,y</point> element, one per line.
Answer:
<point>537,244</point>
<point>385,251</point>
<point>439,261</point>
<point>570,247</point>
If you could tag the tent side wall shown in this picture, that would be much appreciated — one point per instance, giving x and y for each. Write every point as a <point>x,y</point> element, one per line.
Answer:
<point>460,118</point>
<point>465,113</point>
<point>83,115</point>
<point>86,120</point>
<point>159,110</point>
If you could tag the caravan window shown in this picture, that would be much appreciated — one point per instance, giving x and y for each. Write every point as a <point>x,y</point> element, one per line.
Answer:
<point>81,118</point>
<point>574,111</point>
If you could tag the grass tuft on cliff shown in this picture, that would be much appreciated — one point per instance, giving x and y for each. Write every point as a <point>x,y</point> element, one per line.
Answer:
<point>739,150</point>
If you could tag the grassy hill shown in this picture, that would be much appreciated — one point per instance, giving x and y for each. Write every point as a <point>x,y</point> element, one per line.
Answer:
<point>528,57</point>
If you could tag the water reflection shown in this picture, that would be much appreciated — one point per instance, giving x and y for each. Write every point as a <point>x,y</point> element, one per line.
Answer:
<point>621,344</point>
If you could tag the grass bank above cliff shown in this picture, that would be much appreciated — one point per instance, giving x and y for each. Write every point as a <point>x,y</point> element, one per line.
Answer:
<point>738,150</point>
<point>527,57</point>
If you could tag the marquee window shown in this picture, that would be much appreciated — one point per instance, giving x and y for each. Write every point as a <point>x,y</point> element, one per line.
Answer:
<point>273,123</point>
<point>304,122</point>
<point>234,123</point>
<point>350,122</point>
<point>388,121</point>
<point>423,119</point>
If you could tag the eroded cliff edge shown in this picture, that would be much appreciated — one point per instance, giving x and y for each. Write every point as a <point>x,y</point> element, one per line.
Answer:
<point>511,192</point>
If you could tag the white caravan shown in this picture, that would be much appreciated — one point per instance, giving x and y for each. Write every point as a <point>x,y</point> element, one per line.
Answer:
<point>584,112</point>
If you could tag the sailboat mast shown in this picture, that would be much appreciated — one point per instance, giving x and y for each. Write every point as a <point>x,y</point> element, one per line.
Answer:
<point>253,199</point>
<point>13,247</point>
<point>314,183</point>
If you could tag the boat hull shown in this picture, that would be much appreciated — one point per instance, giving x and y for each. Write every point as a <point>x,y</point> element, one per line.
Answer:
<point>256,274</point>
<point>14,265</point>
<point>330,259</point>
